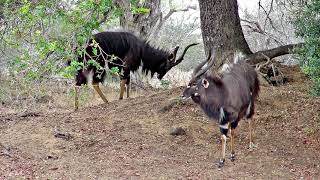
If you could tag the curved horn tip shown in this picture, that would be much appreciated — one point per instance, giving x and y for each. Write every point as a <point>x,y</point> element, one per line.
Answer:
<point>193,44</point>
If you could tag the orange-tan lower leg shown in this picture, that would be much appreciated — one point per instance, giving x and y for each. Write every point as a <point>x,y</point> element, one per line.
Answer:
<point>251,124</point>
<point>232,133</point>
<point>223,150</point>
<point>122,88</point>
<point>76,97</point>
<point>96,87</point>
<point>128,90</point>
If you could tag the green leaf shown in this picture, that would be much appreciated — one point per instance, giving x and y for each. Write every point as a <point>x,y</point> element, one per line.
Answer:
<point>140,10</point>
<point>95,51</point>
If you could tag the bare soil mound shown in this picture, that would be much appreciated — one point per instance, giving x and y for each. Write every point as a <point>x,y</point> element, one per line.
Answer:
<point>131,139</point>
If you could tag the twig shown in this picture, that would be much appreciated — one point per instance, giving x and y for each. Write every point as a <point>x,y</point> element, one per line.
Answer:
<point>268,15</point>
<point>274,74</point>
<point>259,66</point>
<point>59,134</point>
<point>140,86</point>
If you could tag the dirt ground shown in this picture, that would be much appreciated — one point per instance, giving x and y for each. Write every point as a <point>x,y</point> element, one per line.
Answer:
<point>130,139</point>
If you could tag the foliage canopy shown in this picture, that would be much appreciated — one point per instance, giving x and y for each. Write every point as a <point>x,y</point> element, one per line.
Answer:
<point>45,34</point>
<point>308,27</point>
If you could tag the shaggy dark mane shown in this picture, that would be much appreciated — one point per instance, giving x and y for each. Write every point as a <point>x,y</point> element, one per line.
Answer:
<point>131,51</point>
<point>127,52</point>
<point>152,58</point>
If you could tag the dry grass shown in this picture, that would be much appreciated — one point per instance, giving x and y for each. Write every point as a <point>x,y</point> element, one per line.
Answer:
<point>19,95</point>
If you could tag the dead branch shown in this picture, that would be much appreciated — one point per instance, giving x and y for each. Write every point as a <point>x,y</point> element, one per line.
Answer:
<point>259,56</point>
<point>255,27</point>
<point>267,14</point>
<point>274,73</point>
<point>62,135</point>
<point>31,114</point>
<point>139,86</point>
<point>162,20</point>
<point>259,66</point>
<point>105,16</point>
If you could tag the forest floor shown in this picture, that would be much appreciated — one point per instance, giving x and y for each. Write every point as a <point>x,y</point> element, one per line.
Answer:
<point>130,139</point>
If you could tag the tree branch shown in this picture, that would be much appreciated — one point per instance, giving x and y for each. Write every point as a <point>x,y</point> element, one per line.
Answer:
<point>257,29</point>
<point>105,16</point>
<point>272,53</point>
<point>267,15</point>
<point>162,20</point>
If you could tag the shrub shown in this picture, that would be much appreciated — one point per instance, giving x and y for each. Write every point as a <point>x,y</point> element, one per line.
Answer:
<point>307,26</point>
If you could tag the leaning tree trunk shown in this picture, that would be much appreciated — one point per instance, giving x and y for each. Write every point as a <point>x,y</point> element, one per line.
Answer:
<point>221,29</point>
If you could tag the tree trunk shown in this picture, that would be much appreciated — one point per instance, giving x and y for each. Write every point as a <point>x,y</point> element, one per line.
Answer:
<point>140,23</point>
<point>221,29</point>
<point>146,25</point>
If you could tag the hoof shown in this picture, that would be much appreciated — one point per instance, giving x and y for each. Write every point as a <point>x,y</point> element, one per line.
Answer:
<point>120,98</point>
<point>232,157</point>
<point>221,163</point>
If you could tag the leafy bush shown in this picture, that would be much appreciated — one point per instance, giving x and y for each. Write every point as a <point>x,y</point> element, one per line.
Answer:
<point>308,27</point>
<point>45,34</point>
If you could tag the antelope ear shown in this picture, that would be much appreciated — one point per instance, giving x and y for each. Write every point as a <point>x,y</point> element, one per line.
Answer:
<point>171,57</point>
<point>205,83</point>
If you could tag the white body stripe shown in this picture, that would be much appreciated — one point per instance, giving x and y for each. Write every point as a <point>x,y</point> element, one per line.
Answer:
<point>248,109</point>
<point>221,116</point>
<point>224,126</point>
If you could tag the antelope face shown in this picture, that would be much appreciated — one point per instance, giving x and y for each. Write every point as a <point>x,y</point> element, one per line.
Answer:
<point>196,90</point>
<point>164,67</point>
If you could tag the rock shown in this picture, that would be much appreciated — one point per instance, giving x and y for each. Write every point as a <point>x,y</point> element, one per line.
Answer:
<point>177,131</point>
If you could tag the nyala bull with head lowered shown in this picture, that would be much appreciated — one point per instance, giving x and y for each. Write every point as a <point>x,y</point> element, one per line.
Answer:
<point>131,52</point>
<point>227,97</point>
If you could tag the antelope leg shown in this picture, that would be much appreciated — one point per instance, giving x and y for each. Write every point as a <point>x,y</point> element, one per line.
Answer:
<point>224,131</point>
<point>76,97</point>
<point>251,144</point>
<point>232,132</point>
<point>233,127</point>
<point>96,87</point>
<point>223,150</point>
<point>128,90</point>
<point>122,87</point>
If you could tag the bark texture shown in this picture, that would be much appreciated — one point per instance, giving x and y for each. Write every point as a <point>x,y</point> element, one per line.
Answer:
<point>145,25</point>
<point>221,29</point>
<point>140,23</point>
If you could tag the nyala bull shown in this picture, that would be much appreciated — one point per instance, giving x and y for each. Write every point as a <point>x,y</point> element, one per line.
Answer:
<point>227,97</point>
<point>131,52</point>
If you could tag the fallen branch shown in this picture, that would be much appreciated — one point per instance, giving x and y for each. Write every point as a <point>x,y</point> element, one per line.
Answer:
<point>260,56</point>
<point>259,66</point>
<point>59,134</point>
<point>30,114</point>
